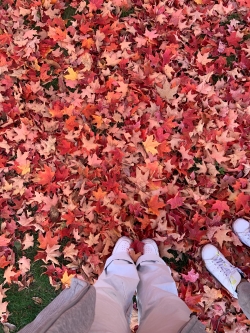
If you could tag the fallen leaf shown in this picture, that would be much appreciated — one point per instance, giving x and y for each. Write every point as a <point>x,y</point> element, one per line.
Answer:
<point>24,264</point>
<point>72,74</point>
<point>28,241</point>
<point>45,177</point>
<point>150,145</point>
<point>176,201</point>
<point>66,279</point>
<point>191,276</point>
<point>166,92</point>
<point>154,205</point>
<point>37,300</point>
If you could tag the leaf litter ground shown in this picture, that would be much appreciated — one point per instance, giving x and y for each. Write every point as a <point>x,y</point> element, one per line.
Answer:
<point>123,118</point>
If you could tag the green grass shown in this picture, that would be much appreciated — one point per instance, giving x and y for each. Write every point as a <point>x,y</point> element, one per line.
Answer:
<point>21,306</point>
<point>179,261</point>
<point>127,12</point>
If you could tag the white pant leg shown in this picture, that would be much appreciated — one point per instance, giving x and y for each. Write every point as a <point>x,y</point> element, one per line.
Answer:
<point>160,308</point>
<point>114,292</point>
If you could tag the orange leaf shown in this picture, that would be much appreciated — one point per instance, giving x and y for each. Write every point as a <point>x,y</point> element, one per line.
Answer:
<point>100,194</point>
<point>242,200</point>
<point>3,262</point>
<point>154,205</point>
<point>71,123</point>
<point>69,217</point>
<point>45,177</point>
<point>144,222</point>
<point>98,121</point>
<point>47,240</point>
<point>56,112</point>
<point>163,148</point>
<point>57,33</point>
<point>89,110</point>
<point>4,241</point>
<point>88,43</point>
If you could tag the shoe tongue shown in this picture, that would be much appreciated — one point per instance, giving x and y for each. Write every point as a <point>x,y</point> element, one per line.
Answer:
<point>217,255</point>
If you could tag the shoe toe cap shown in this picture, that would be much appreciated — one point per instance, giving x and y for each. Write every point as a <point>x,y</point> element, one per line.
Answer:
<point>208,251</point>
<point>240,225</point>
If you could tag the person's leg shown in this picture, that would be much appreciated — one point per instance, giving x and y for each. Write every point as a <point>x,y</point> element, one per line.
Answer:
<point>160,309</point>
<point>114,291</point>
<point>243,290</point>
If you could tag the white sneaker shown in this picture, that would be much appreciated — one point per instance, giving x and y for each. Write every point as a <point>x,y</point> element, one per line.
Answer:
<point>241,228</point>
<point>122,245</point>
<point>227,274</point>
<point>150,247</point>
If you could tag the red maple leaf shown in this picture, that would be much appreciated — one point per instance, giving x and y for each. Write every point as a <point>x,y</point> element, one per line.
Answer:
<point>233,39</point>
<point>221,207</point>
<point>137,246</point>
<point>195,233</point>
<point>175,202</point>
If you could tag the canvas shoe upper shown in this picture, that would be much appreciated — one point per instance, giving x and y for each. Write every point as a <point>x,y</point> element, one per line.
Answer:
<point>150,247</point>
<point>241,228</point>
<point>120,251</point>
<point>227,274</point>
<point>122,245</point>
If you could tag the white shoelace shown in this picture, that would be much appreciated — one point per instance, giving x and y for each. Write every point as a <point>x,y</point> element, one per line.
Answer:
<point>245,233</point>
<point>225,267</point>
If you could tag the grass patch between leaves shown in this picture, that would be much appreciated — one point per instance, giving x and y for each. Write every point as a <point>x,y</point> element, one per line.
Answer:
<point>22,307</point>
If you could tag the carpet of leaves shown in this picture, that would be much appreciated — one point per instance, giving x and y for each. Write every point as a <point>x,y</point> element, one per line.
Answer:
<point>125,117</point>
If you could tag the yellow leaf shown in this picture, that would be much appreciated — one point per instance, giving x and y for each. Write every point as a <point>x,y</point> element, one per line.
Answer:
<point>66,279</point>
<point>36,66</point>
<point>23,169</point>
<point>72,75</point>
<point>150,145</point>
<point>199,2</point>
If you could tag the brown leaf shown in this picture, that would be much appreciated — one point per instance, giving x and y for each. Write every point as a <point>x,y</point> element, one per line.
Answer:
<point>37,300</point>
<point>54,214</point>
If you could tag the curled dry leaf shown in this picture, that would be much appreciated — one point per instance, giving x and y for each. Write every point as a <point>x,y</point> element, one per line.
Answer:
<point>37,300</point>
<point>54,214</point>
<point>8,327</point>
